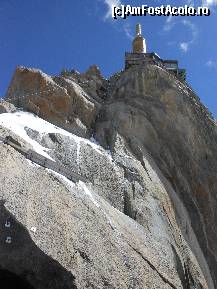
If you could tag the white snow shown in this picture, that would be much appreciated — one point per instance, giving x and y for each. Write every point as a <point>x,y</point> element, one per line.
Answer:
<point>17,122</point>
<point>78,153</point>
<point>66,181</point>
<point>32,164</point>
<point>88,193</point>
<point>95,142</point>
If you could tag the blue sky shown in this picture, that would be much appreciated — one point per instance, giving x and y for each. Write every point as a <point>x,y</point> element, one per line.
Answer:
<point>52,35</point>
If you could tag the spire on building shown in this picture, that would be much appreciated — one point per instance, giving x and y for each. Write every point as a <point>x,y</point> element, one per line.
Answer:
<point>139,45</point>
<point>138,29</point>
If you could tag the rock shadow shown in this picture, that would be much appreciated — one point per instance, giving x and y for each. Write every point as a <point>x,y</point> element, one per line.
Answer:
<point>23,264</point>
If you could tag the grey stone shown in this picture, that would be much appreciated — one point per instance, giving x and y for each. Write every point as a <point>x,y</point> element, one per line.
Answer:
<point>6,106</point>
<point>145,217</point>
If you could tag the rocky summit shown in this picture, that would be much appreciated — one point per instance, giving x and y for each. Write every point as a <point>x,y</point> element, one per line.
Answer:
<point>107,183</point>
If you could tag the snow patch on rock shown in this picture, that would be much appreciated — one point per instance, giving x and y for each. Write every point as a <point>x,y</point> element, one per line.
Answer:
<point>18,121</point>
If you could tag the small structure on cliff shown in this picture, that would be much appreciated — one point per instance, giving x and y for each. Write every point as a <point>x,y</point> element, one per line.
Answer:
<point>140,56</point>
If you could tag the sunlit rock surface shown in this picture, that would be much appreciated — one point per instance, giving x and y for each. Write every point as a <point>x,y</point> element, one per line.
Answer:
<point>146,215</point>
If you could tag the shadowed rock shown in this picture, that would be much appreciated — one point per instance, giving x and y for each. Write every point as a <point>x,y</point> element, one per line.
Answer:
<point>22,264</point>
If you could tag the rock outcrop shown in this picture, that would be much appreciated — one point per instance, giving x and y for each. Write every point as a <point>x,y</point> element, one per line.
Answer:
<point>145,217</point>
<point>6,106</point>
<point>58,100</point>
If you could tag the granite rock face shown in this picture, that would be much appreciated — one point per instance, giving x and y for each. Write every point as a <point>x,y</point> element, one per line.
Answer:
<point>58,100</point>
<point>91,81</point>
<point>155,112</point>
<point>145,216</point>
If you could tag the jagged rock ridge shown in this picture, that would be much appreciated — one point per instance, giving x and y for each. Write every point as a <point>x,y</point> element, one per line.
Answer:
<point>145,217</point>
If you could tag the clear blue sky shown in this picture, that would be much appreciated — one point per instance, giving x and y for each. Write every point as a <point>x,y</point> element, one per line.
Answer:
<point>53,34</point>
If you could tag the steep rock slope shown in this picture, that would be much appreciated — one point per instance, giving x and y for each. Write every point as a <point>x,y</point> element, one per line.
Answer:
<point>154,111</point>
<point>90,243</point>
<point>145,217</point>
